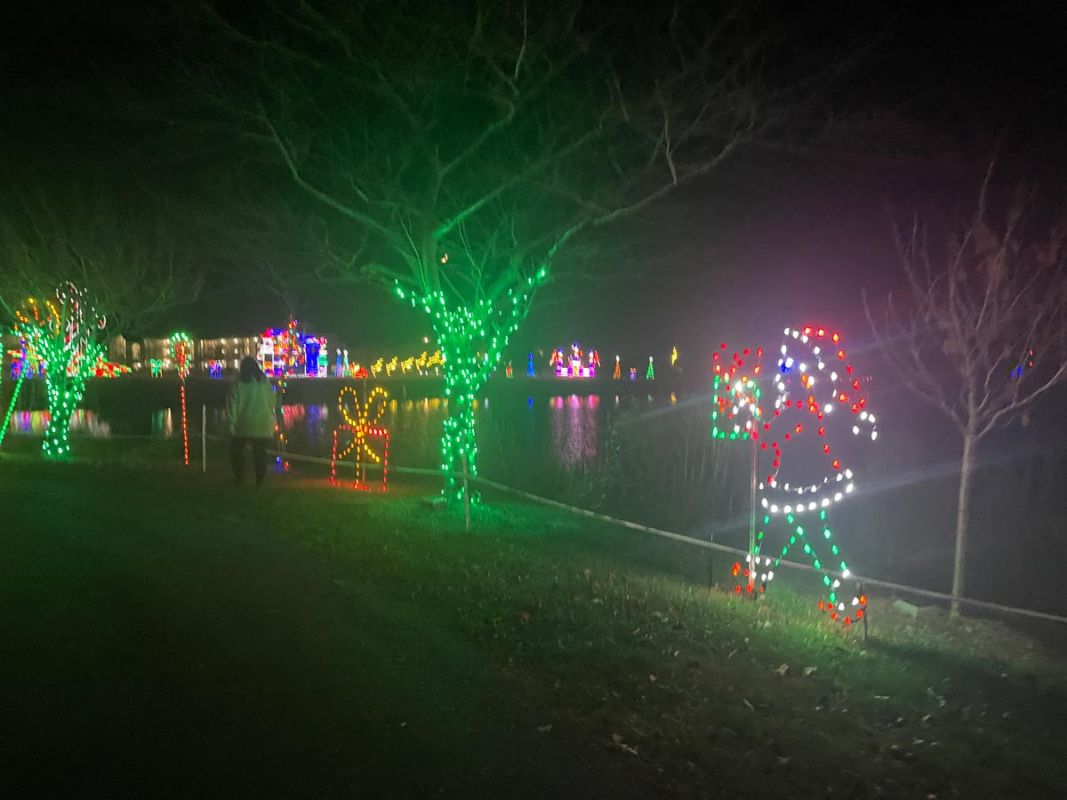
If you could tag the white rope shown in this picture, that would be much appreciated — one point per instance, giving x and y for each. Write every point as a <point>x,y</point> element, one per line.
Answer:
<point>693,542</point>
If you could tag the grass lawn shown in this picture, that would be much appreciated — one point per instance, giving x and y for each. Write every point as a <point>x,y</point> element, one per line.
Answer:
<point>166,634</point>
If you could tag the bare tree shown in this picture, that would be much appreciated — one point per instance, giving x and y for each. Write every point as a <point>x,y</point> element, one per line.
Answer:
<point>97,237</point>
<point>469,143</point>
<point>984,335</point>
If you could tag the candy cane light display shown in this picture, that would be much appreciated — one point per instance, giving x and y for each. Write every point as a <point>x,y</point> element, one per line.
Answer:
<point>180,348</point>
<point>362,421</point>
<point>819,398</point>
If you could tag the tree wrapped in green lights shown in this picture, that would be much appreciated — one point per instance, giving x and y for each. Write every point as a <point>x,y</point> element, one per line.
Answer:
<point>64,333</point>
<point>454,150</point>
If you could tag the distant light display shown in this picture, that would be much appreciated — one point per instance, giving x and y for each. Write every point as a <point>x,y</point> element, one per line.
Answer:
<point>575,363</point>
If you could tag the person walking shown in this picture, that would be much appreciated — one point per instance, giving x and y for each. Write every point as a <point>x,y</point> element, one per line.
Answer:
<point>252,420</point>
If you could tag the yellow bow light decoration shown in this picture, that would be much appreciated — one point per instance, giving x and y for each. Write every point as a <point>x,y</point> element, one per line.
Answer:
<point>363,421</point>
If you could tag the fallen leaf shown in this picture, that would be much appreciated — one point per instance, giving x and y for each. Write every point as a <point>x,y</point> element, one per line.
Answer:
<point>544,728</point>
<point>782,670</point>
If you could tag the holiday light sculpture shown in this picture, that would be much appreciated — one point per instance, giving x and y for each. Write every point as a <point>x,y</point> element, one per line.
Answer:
<point>674,357</point>
<point>363,423</point>
<point>214,369</point>
<point>650,373</point>
<point>155,366</point>
<point>180,349</point>
<point>816,390</point>
<point>472,339</point>
<point>65,333</point>
<point>575,365</point>
<point>816,383</point>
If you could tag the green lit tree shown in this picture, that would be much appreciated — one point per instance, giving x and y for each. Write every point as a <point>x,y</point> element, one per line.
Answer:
<point>66,334</point>
<point>461,147</point>
<point>68,257</point>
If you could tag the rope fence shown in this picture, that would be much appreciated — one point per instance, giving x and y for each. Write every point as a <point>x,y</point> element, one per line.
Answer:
<point>705,545</point>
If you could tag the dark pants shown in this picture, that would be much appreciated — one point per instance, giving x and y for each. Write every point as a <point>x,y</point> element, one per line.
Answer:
<point>259,456</point>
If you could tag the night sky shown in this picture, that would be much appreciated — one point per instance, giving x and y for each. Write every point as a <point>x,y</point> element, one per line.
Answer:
<point>785,231</point>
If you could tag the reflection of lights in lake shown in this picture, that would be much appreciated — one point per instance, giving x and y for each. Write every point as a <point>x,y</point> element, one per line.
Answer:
<point>575,429</point>
<point>82,422</point>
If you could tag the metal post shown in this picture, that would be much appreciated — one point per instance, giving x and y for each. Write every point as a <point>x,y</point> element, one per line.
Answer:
<point>466,496</point>
<point>203,438</point>
<point>752,523</point>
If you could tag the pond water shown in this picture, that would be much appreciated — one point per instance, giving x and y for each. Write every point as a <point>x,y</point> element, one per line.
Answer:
<point>517,435</point>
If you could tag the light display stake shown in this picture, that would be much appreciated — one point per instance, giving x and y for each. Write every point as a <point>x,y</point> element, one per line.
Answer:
<point>531,370</point>
<point>363,422</point>
<point>650,373</point>
<point>617,373</point>
<point>64,337</point>
<point>472,339</point>
<point>180,349</point>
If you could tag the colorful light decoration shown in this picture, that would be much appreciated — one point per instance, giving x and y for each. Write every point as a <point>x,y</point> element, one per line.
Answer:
<point>633,373</point>
<point>735,393</point>
<point>363,422</point>
<point>214,369</point>
<point>472,340</point>
<point>289,351</point>
<point>616,375</point>
<point>64,335</point>
<point>180,349</point>
<point>1027,363</point>
<point>814,381</point>
<point>531,370</point>
<point>674,356</point>
<point>577,364</point>
<point>650,373</point>
<point>155,366</point>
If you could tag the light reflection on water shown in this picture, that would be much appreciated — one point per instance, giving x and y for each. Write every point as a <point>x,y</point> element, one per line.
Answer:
<point>564,431</point>
<point>84,422</point>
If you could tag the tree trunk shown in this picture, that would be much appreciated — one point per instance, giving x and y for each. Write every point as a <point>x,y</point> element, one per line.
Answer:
<point>64,394</point>
<point>963,514</point>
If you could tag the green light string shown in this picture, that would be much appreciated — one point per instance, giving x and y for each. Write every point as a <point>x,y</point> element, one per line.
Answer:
<point>472,340</point>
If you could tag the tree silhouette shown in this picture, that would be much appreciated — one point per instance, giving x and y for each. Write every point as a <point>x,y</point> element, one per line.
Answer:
<point>984,334</point>
<point>467,144</point>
